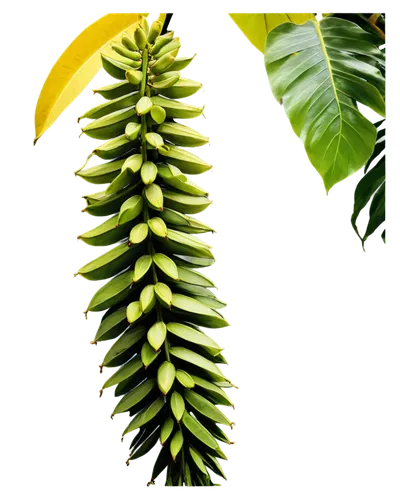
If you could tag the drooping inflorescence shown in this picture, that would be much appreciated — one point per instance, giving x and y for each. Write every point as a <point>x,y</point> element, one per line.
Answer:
<point>156,300</point>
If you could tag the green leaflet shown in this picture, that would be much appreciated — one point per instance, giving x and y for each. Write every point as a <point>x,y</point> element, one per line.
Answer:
<point>145,416</point>
<point>126,371</point>
<point>166,430</point>
<point>200,361</point>
<point>148,354</point>
<point>100,174</point>
<point>203,406</point>
<point>318,71</point>
<point>213,392</point>
<point>112,325</point>
<point>176,444</point>
<point>185,379</point>
<point>108,264</point>
<point>376,212</point>
<point>165,377</point>
<point>135,396</point>
<point>131,337</point>
<point>146,446</point>
<point>112,292</point>
<point>371,186</point>
<point>199,431</point>
<point>194,310</point>
<point>177,406</point>
<point>156,335</point>
<point>194,336</point>
<point>197,460</point>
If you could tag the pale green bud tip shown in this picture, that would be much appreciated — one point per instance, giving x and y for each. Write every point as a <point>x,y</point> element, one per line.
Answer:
<point>144,105</point>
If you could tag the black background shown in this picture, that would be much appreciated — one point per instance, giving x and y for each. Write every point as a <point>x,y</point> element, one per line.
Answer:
<point>282,245</point>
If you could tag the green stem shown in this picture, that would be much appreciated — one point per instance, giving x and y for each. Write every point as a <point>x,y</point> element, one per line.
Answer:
<point>145,90</point>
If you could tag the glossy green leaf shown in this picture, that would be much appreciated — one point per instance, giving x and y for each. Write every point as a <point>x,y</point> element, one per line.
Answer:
<point>147,299</point>
<point>177,405</point>
<point>376,212</point>
<point>176,444</point>
<point>133,312</point>
<point>213,392</point>
<point>197,460</point>
<point>194,336</point>
<point>148,354</point>
<point>142,265</point>
<point>127,370</point>
<point>128,339</point>
<point>318,71</point>
<point>156,335</point>
<point>185,379</point>
<point>165,377</point>
<point>145,415</point>
<point>166,430</point>
<point>203,406</point>
<point>163,294</point>
<point>196,311</point>
<point>197,360</point>
<point>166,265</point>
<point>135,396</point>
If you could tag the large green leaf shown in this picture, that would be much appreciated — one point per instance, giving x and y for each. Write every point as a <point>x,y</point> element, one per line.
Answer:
<point>319,71</point>
<point>372,187</point>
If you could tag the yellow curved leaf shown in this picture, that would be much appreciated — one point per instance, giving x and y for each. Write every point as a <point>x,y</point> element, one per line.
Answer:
<point>257,26</point>
<point>77,66</point>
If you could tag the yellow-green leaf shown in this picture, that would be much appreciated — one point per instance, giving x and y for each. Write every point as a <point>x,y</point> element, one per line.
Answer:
<point>77,66</point>
<point>257,26</point>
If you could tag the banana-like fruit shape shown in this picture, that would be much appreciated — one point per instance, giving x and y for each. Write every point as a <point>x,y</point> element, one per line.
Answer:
<point>184,244</point>
<point>128,339</point>
<point>181,63</point>
<point>117,68</point>
<point>109,205</point>
<point>109,263</point>
<point>202,263</point>
<point>106,233</point>
<point>206,408</point>
<point>124,52</point>
<point>162,64</point>
<point>99,173</point>
<point>217,394</point>
<point>129,43</point>
<point>169,47</point>
<point>110,327</point>
<point>185,203</point>
<point>115,148</point>
<point>116,90</point>
<point>187,275</point>
<point>112,292</point>
<point>185,136</point>
<point>188,162</point>
<point>195,312</point>
<point>193,290</point>
<point>182,88</point>
<point>160,42</point>
<point>106,107</point>
<point>165,80</point>
<point>94,195</point>
<point>213,302</point>
<point>111,125</point>
<point>185,223</point>
<point>187,186</point>
<point>178,110</point>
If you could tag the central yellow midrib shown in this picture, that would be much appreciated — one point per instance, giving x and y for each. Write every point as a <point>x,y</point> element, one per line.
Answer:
<point>321,39</point>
